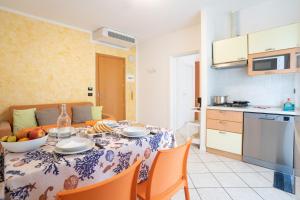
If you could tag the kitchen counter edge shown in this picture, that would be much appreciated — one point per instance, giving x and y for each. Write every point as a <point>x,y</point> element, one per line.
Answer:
<point>271,110</point>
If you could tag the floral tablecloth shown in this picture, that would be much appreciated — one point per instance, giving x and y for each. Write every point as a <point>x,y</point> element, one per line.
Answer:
<point>40,174</point>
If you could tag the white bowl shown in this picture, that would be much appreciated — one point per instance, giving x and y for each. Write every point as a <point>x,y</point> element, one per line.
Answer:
<point>19,147</point>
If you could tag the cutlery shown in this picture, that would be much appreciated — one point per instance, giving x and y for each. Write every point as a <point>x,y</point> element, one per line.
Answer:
<point>99,146</point>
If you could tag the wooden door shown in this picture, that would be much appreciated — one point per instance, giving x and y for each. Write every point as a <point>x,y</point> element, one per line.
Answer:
<point>110,85</point>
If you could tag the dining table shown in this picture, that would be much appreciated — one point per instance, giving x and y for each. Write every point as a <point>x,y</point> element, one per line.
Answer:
<point>42,173</point>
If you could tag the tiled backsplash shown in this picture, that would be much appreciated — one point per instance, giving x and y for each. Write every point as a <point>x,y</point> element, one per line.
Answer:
<point>270,90</point>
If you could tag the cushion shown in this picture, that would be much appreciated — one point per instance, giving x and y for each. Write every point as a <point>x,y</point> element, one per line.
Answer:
<point>81,114</point>
<point>47,116</point>
<point>96,112</point>
<point>23,119</point>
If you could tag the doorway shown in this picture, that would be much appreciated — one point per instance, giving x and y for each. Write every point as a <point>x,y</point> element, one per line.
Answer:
<point>110,85</point>
<point>185,87</point>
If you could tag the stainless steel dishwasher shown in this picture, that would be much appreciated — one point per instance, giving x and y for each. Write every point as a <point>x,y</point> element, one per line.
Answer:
<point>269,142</point>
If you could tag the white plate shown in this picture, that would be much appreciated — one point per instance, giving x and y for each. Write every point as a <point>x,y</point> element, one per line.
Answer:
<point>74,152</point>
<point>25,146</point>
<point>142,134</point>
<point>110,123</point>
<point>135,131</point>
<point>73,144</point>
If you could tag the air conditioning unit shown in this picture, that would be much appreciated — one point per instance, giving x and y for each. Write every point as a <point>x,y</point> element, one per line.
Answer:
<point>113,37</point>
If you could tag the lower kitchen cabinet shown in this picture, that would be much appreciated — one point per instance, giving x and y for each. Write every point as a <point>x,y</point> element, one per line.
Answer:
<point>225,133</point>
<point>224,141</point>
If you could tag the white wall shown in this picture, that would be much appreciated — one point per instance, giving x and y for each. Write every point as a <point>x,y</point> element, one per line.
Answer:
<point>269,14</point>
<point>269,90</point>
<point>154,81</point>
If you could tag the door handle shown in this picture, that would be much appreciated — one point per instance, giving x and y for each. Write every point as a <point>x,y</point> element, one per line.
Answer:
<point>131,96</point>
<point>271,119</point>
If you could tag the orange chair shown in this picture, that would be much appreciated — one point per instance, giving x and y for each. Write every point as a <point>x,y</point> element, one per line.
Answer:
<point>120,187</point>
<point>167,175</point>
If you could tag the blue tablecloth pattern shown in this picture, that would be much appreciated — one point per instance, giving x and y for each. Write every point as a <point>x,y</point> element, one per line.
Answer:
<point>40,174</point>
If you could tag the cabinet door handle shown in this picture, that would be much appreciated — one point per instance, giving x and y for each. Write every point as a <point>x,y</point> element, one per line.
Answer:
<point>242,59</point>
<point>222,132</point>
<point>270,49</point>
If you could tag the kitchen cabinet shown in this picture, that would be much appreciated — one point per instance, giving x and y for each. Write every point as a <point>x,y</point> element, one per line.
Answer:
<point>225,115</point>
<point>283,37</point>
<point>224,134</point>
<point>298,60</point>
<point>230,50</point>
<point>225,125</point>
<point>225,141</point>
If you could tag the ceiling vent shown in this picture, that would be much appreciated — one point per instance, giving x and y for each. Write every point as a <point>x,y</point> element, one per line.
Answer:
<point>113,37</point>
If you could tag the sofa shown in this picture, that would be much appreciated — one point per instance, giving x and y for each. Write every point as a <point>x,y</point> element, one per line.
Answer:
<point>6,126</point>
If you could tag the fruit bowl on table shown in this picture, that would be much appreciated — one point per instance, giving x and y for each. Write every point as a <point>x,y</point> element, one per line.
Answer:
<point>24,146</point>
<point>24,141</point>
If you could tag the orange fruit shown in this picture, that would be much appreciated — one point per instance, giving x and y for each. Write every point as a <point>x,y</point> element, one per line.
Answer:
<point>23,139</point>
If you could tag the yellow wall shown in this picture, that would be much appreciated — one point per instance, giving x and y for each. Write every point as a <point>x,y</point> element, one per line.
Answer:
<point>42,62</point>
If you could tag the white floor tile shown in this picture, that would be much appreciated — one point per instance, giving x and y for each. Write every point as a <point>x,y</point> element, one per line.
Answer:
<point>217,167</point>
<point>239,166</point>
<point>197,168</point>
<point>207,157</point>
<point>213,194</point>
<point>243,194</point>
<point>192,158</point>
<point>259,168</point>
<point>204,180</point>
<point>255,180</point>
<point>190,183</point>
<point>273,194</point>
<point>229,180</point>
<point>225,159</point>
<point>180,195</point>
<point>297,185</point>
<point>268,175</point>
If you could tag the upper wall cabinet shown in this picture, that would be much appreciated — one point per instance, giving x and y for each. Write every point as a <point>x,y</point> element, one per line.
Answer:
<point>227,51</point>
<point>275,39</point>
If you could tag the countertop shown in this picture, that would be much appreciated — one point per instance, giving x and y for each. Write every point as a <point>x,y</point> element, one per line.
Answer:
<point>255,109</point>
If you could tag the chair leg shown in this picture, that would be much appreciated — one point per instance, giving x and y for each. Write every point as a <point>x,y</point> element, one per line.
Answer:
<point>186,191</point>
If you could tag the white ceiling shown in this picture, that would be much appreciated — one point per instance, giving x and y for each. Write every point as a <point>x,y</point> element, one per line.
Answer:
<point>140,18</point>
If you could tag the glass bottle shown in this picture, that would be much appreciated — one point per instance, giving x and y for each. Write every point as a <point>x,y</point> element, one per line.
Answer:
<point>63,122</point>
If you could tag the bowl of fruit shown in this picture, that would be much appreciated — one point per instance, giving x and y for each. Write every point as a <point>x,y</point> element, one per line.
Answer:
<point>24,140</point>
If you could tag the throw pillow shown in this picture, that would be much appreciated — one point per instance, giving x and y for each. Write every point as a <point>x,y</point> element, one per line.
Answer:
<point>81,114</point>
<point>96,112</point>
<point>47,116</point>
<point>23,119</point>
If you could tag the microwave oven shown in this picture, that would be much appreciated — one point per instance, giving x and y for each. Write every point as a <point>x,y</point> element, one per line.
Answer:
<point>278,62</point>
